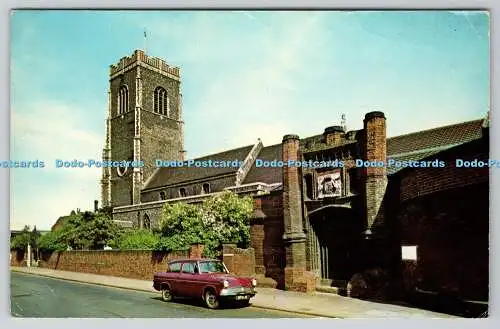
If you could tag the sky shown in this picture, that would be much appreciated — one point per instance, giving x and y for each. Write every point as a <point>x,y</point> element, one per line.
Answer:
<point>245,75</point>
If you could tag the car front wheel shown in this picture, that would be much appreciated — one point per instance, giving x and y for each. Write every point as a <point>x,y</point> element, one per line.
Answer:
<point>211,299</point>
<point>166,295</point>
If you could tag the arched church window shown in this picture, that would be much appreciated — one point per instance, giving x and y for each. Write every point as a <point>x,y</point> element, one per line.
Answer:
<point>123,100</point>
<point>147,222</point>
<point>182,192</point>
<point>162,196</point>
<point>161,101</point>
<point>206,188</point>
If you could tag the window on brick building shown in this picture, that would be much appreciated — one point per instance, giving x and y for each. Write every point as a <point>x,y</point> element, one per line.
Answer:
<point>123,100</point>
<point>162,196</point>
<point>161,101</point>
<point>182,192</point>
<point>206,188</point>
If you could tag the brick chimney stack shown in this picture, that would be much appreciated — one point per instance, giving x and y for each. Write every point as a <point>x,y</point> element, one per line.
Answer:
<point>292,189</point>
<point>333,135</point>
<point>296,276</point>
<point>375,177</point>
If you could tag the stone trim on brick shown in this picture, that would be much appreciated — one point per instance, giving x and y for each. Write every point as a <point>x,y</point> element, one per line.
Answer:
<point>248,162</point>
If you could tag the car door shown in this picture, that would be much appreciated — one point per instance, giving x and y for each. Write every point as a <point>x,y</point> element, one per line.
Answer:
<point>188,279</point>
<point>174,271</point>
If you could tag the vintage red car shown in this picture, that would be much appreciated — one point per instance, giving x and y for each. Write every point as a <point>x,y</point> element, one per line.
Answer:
<point>207,279</point>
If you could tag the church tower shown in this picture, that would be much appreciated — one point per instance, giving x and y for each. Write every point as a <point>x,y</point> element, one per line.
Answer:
<point>144,123</point>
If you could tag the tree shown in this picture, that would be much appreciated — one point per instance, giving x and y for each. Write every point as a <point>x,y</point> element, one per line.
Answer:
<point>20,241</point>
<point>25,238</point>
<point>52,241</point>
<point>86,230</point>
<point>34,236</point>
<point>226,217</point>
<point>181,225</point>
<point>223,218</point>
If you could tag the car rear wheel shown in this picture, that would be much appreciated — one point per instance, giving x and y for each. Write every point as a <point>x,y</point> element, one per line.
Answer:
<point>166,295</point>
<point>211,299</point>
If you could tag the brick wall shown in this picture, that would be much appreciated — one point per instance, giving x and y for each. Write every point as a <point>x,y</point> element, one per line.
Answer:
<point>445,213</point>
<point>266,236</point>
<point>135,264</point>
<point>450,230</point>
<point>429,180</point>
<point>239,261</point>
<point>17,258</point>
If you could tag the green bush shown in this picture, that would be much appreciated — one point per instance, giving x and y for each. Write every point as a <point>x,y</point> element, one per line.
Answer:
<point>137,239</point>
<point>52,241</point>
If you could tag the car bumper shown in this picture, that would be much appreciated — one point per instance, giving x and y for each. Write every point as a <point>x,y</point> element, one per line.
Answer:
<point>237,293</point>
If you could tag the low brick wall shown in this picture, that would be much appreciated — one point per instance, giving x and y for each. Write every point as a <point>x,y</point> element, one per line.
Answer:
<point>17,258</point>
<point>134,264</point>
<point>239,261</point>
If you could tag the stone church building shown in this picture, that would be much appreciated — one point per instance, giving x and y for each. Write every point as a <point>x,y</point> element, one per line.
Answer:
<point>427,227</point>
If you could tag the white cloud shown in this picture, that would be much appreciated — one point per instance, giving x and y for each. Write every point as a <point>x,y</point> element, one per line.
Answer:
<point>41,205</point>
<point>47,131</point>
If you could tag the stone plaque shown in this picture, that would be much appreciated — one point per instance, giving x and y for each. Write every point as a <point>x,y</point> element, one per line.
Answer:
<point>329,185</point>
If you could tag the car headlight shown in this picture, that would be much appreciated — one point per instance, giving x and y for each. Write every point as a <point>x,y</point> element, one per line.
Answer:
<point>254,282</point>
<point>225,283</point>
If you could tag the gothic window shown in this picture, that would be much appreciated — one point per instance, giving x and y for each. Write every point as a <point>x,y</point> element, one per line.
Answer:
<point>206,188</point>
<point>162,196</point>
<point>147,222</point>
<point>123,100</point>
<point>309,186</point>
<point>182,192</point>
<point>161,102</point>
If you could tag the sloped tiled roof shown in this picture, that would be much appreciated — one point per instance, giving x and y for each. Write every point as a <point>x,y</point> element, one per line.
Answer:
<point>422,144</point>
<point>268,175</point>
<point>173,175</point>
<point>413,146</point>
<point>437,137</point>
<point>60,222</point>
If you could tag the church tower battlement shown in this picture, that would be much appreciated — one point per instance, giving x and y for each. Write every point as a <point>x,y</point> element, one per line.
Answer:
<point>144,123</point>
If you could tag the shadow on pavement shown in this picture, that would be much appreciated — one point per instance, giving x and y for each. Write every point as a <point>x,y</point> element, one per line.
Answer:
<point>199,303</point>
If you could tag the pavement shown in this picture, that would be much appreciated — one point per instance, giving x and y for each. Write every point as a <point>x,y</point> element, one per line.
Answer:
<point>316,304</point>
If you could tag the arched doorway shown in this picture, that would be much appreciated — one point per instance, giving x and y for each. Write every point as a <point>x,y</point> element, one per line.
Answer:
<point>335,235</point>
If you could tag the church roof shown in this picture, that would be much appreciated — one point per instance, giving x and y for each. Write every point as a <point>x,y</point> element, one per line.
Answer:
<point>268,175</point>
<point>413,146</point>
<point>166,176</point>
<point>422,144</point>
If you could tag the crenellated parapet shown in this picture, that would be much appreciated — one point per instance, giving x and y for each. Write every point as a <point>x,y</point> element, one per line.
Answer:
<point>140,58</point>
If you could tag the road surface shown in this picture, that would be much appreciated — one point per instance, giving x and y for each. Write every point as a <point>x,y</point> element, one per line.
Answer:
<point>42,297</point>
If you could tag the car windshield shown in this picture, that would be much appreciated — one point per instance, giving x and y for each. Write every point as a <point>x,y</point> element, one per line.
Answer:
<point>212,267</point>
